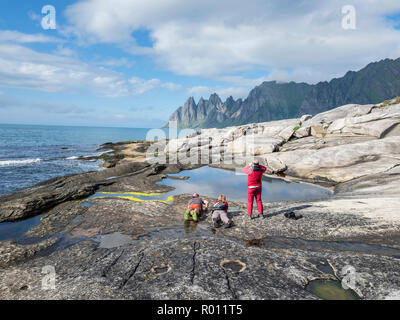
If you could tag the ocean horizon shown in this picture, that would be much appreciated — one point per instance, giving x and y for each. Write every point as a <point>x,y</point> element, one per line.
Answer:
<point>30,154</point>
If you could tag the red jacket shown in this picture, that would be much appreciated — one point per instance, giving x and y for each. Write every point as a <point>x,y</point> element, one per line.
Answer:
<point>226,203</point>
<point>254,177</point>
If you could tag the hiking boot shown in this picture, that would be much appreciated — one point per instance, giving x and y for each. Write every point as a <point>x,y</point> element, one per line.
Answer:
<point>228,225</point>
<point>216,223</point>
<point>186,216</point>
<point>193,213</point>
<point>261,215</point>
<point>251,216</point>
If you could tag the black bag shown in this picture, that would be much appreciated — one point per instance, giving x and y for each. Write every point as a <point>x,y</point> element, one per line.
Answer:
<point>256,167</point>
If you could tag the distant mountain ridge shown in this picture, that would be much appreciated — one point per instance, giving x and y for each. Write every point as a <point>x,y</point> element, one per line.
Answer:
<point>270,100</point>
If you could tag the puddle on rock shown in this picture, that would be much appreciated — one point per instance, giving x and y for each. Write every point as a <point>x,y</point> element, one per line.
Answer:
<point>189,230</point>
<point>233,265</point>
<point>65,240</point>
<point>211,182</point>
<point>330,290</point>
<point>278,242</point>
<point>17,230</point>
<point>254,243</point>
<point>161,269</point>
<point>87,204</point>
<point>113,240</point>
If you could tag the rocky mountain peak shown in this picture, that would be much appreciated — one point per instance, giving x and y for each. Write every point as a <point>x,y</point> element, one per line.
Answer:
<point>272,100</point>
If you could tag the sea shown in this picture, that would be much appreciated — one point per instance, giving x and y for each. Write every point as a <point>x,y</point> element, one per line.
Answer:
<point>30,154</point>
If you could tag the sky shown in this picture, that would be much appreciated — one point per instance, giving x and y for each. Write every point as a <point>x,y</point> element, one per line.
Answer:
<point>131,63</point>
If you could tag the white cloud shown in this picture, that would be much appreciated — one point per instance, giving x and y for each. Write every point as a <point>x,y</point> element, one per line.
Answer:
<point>141,86</point>
<point>242,81</point>
<point>200,91</point>
<point>22,67</point>
<point>235,92</point>
<point>64,51</point>
<point>172,86</point>
<point>121,62</point>
<point>34,16</point>
<point>11,103</point>
<point>19,37</point>
<point>300,40</point>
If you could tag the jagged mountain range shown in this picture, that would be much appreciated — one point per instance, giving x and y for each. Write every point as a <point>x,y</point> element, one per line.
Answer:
<point>271,100</point>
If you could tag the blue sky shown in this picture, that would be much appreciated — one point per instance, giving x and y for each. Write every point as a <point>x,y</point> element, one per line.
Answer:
<point>131,63</point>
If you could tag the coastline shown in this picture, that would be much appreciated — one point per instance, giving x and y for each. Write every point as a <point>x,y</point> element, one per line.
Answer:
<point>360,214</point>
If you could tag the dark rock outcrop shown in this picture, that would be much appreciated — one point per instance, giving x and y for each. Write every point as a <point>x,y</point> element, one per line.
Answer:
<point>46,195</point>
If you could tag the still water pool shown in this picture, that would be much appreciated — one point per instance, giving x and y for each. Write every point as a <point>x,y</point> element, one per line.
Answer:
<point>211,182</point>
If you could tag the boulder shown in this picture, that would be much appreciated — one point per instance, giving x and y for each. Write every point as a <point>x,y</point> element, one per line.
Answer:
<point>375,124</point>
<point>253,145</point>
<point>286,133</point>
<point>302,132</point>
<point>346,111</point>
<point>273,128</point>
<point>343,162</point>
<point>305,118</point>
<point>274,165</point>
<point>319,131</point>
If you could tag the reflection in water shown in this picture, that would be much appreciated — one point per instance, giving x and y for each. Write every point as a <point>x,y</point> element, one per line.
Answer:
<point>211,182</point>
<point>16,230</point>
<point>190,227</point>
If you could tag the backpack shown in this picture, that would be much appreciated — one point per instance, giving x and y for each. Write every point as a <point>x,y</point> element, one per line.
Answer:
<point>256,167</point>
<point>219,206</point>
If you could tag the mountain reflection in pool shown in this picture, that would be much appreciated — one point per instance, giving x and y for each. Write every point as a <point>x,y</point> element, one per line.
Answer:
<point>211,182</point>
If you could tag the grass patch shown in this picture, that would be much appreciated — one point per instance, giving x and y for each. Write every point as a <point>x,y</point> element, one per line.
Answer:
<point>296,128</point>
<point>390,102</point>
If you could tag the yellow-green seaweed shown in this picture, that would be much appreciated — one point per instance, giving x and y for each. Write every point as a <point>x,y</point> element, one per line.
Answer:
<point>121,195</point>
<point>136,193</point>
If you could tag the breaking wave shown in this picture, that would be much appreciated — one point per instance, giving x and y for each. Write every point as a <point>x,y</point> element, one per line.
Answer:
<point>18,162</point>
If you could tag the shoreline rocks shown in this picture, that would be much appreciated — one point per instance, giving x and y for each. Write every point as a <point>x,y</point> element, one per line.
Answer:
<point>358,226</point>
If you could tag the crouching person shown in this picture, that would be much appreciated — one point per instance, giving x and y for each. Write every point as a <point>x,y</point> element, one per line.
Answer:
<point>195,208</point>
<point>220,213</point>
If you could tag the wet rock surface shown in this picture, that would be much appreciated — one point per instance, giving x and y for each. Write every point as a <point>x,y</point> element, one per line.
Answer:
<point>124,249</point>
<point>196,269</point>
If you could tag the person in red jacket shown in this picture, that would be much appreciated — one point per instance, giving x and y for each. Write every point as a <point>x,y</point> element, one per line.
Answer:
<point>255,172</point>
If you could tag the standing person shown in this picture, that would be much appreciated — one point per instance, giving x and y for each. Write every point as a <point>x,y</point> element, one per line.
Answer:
<point>195,207</point>
<point>254,186</point>
<point>220,212</point>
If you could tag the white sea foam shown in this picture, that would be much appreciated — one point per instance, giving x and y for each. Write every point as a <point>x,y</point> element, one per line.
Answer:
<point>72,158</point>
<point>18,162</point>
